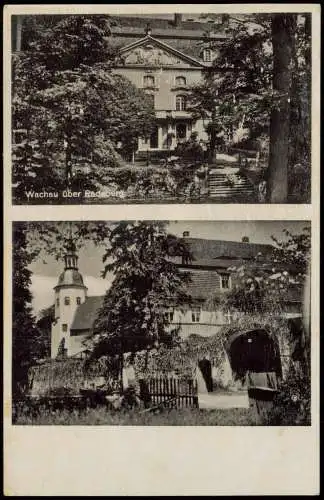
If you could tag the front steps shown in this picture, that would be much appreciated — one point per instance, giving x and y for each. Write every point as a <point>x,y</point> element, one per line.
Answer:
<point>227,183</point>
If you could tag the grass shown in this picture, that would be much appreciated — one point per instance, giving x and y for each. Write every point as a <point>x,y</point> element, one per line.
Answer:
<point>172,417</point>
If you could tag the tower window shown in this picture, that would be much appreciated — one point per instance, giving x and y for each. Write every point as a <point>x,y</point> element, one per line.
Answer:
<point>57,302</point>
<point>180,81</point>
<point>207,55</point>
<point>148,81</point>
<point>181,103</point>
<point>78,300</point>
<point>195,315</point>
<point>66,301</point>
<point>64,327</point>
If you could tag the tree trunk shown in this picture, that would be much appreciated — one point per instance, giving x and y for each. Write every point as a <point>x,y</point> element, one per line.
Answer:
<point>282,41</point>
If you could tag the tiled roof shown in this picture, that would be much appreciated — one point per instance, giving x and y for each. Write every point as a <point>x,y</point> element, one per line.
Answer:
<point>203,284</point>
<point>213,249</point>
<point>160,24</point>
<point>86,313</point>
<point>220,264</point>
<point>166,33</point>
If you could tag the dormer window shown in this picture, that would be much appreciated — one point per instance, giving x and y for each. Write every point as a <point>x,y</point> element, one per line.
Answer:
<point>181,103</point>
<point>225,281</point>
<point>180,81</point>
<point>207,55</point>
<point>148,81</point>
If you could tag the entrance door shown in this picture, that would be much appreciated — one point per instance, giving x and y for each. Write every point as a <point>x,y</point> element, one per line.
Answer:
<point>181,131</point>
<point>154,139</point>
<point>254,352</point>
<point>206,370</point>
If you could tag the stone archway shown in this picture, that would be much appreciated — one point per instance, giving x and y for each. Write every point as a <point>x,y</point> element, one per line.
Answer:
<point>255,353</point>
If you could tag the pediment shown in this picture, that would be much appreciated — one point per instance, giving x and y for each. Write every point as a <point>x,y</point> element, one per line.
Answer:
<point>151,52</point>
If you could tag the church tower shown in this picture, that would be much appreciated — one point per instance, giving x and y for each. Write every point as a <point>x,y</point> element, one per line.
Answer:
<point>70,292</point>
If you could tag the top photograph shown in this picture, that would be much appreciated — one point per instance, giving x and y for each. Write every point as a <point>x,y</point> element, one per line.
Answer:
<point>165,108</point>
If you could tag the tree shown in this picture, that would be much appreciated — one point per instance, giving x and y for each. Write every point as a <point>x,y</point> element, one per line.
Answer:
<point>261,79</point>
<point>69,109</point>
<point>146,282</point>
<point>26,339</point>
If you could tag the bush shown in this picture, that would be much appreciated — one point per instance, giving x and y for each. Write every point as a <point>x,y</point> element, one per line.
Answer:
<point>292,405</point>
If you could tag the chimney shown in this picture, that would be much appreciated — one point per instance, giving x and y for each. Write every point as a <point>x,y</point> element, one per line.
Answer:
<point>177,20</point>
<point>245,239</point>
<point>185,234</point>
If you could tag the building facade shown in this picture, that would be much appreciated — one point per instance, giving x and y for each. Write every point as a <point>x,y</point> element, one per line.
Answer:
<point>75,312</point>
<point>165,59</point>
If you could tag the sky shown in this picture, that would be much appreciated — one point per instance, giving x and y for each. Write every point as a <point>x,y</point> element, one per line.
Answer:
<point>46,269</point>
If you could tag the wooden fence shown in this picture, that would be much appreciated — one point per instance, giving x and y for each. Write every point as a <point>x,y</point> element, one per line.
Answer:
<point>173,392</point>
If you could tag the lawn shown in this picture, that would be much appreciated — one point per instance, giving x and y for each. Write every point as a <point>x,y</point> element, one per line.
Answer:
<point>103,416</point>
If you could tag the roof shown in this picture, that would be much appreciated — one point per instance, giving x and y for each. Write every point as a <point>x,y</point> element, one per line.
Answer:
<point>86,313</point>
<point>203,284</point>
<point>214,249</point>
<point>70,277</point>
<point>220,264</point>
<point>158,24</point>
<point>197,34</point>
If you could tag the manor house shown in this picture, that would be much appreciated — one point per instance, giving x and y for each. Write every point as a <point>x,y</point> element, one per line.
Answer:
<point>75,311</point>
<point>165,58</point>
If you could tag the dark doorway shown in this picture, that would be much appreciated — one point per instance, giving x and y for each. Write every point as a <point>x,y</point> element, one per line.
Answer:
<point>254,351</point>
<point>154,139</point>
<point>206,370</point>
<point>181,130</point>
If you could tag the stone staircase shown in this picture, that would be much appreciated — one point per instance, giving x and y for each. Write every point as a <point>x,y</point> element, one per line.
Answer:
<point>226,183</point>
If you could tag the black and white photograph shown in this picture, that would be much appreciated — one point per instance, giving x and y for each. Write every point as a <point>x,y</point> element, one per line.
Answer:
<point>187,323</point>
<point>161,108</point>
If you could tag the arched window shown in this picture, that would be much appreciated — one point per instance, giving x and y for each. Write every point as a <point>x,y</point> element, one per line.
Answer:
<point>148,81</point>
<point>66,301</point>
<point>207,55</point>
<point>181,103</point>
<point>78,300</point>
<point>180,81</point>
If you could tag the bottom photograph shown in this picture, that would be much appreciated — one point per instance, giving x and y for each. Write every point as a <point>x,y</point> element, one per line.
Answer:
<point>175,323</point>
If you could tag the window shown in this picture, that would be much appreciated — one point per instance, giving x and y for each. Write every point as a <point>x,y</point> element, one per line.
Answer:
<point>148,81</point>
<point>64,327</point>
<point>207,55</point>
<point>225,281</point>
<point>169,315</point>
<point>78,300</point>
<point>180,81</point>
<point>195,315</point>
<point>228,317</point>
<point>57,302</point>
<point>151,99</point>
<point>181,103</point>
<point>66,301</point>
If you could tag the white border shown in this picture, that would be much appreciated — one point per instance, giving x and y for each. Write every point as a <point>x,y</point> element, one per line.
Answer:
<point>106,461</point>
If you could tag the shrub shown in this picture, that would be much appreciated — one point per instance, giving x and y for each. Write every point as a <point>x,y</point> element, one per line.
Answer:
<point>292,405</point>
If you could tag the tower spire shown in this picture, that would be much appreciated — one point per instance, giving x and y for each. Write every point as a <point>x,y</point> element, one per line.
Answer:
<point>70,258</point>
